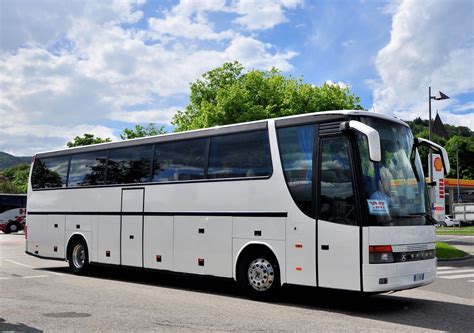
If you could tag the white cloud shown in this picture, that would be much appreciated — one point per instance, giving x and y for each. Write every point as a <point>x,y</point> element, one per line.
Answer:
<point>161,116</point>
<point>465,107</point>
<point>188,20</point>
<point>40,138</point>
<point>430,45</point>
<point>255,54</point>
<point>262,14</point>
<point>89,64</point>
<point>340,84</point>
<point>37,23</point>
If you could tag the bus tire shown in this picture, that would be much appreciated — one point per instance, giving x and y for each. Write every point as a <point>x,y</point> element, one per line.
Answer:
<point>259,276</point>
<point>12,227</point>
<point>78,256</point>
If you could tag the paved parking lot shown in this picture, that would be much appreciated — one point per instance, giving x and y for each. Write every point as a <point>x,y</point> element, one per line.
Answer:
<point>37,295</point>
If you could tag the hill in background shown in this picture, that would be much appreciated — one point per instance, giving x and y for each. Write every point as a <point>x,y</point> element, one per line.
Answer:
<point>7,160</point>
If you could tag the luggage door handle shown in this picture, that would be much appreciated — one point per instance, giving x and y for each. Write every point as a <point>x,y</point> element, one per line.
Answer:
<point>325,247</point>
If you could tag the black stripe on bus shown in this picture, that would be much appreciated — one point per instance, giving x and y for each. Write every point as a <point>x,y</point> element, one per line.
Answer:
<point>236,214</point>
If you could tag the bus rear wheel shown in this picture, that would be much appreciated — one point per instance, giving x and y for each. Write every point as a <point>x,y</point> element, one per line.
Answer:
<point>259,276</point>
<point>78,256</point>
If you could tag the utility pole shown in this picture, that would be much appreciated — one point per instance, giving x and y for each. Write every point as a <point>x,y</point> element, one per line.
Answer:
<point>457,167</point>
<point>429,135</point>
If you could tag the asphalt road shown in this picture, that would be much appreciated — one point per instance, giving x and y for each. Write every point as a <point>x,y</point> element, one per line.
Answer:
<point>37,295</point>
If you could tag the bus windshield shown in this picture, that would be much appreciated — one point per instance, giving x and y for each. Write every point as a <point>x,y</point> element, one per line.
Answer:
<point>394,187</point>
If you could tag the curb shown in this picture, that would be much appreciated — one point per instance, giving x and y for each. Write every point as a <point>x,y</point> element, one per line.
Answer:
<point>467,256</point>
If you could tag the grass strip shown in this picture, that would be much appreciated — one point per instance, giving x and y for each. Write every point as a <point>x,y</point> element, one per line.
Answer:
<point>469,231</point>
<point>446,251</point>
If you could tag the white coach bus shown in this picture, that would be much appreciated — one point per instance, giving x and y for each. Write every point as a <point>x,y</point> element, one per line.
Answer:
<point>331,199</point>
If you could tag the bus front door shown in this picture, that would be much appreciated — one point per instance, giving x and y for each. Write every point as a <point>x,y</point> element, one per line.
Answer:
<point>132,227</point>
<point>338,238</point>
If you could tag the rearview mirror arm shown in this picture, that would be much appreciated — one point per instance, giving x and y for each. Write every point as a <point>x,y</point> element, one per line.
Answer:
<point>373,137</point>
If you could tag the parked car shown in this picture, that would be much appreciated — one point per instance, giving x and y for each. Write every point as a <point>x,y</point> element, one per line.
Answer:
<point>449,221</point>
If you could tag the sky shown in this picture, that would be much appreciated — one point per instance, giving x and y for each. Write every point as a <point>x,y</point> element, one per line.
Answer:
<point>74,67</point>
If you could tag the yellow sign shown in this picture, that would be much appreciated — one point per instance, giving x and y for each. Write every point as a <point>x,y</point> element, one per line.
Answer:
<point>438,164</point>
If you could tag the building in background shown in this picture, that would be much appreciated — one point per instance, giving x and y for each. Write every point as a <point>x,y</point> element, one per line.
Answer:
<point>466,192</point>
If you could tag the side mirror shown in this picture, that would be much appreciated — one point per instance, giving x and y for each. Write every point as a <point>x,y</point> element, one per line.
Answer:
<point>437,149</point>
<point>372,135</point>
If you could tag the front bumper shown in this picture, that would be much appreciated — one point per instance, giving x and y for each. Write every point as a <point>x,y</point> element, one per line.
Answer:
<point>398,276</point>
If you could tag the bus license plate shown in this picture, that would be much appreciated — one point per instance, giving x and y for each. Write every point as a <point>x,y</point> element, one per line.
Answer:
<point>418,277</point>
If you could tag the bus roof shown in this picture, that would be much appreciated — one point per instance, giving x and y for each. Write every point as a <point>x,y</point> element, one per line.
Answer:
<point>216,130</point>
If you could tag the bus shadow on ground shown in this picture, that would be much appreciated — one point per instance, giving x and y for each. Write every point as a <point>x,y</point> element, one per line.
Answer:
<point>9,327</point>
<point>391,308</point>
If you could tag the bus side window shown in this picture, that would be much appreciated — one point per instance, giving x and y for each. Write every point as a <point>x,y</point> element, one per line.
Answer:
<point>129,165</point>
<point>240,155</point>
<point>179,161</point>
<point>296,150</point>
<point>50,172</point>
<point>337,200</point>
<point>88,169</point>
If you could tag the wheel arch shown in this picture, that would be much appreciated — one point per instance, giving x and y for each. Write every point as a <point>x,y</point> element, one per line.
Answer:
<point>73,237</point>
<point>252,247</point>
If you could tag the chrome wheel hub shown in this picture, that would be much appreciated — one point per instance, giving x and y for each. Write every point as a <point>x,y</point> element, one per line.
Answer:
<point>78,256</point>
<point>261,274</point>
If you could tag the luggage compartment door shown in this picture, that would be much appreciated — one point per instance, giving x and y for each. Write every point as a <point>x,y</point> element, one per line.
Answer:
<point>131,231</point>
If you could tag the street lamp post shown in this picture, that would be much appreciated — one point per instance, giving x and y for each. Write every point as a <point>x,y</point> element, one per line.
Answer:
<point>438,97</point>
<point>457,168</point>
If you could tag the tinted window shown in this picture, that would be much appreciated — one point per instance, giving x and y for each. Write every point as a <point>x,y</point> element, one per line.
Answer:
<point>240,155</point>
<point>88,169</point>
<point>129,165</point>
<point>50,172</point>
<point>296,149</point>
<point>181,160</point>
<point>337,202</point>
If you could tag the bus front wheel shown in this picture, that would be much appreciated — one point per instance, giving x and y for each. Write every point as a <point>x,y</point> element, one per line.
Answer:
<point>78,256</point>
<point>259,276</point>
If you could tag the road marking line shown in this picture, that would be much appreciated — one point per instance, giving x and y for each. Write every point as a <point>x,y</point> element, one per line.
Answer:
<point>18,263</point>
<point>456,272</point>
<point>462,276</point>
<point>4,278</point>
<point>445,267</point>
<point>13,257</point>
<point>34,276</point>
<point>470,280</point>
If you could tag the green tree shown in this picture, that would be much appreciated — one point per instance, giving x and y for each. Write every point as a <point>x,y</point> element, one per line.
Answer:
<point>459,136</point>
<point>227,95</point>
<point>465,146</point>
<point>141,131</point>
<point>85,140</point>
<point>16,179</point>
